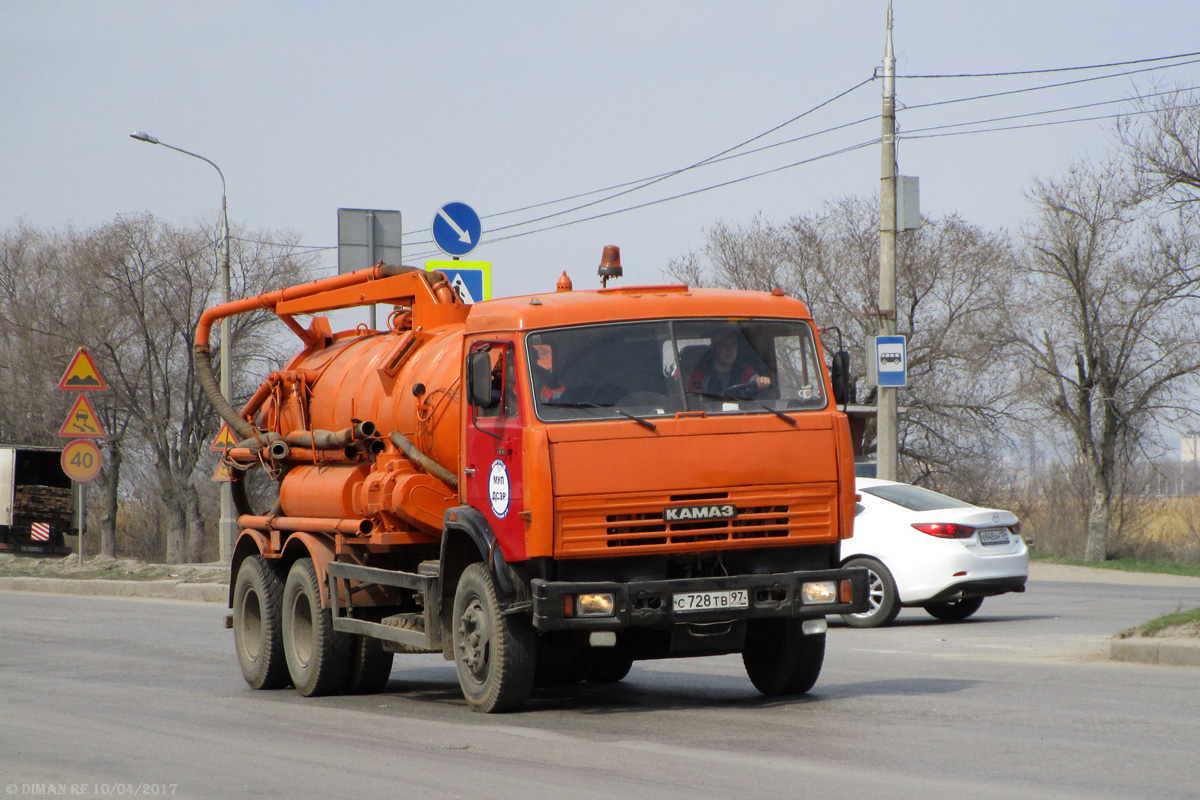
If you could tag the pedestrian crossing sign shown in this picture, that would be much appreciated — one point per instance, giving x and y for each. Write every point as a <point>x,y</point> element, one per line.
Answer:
<point>472,280</point>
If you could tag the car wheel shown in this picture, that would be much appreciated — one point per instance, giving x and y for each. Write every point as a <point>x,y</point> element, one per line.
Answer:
<point>954,610</point>
<point>883,601</point>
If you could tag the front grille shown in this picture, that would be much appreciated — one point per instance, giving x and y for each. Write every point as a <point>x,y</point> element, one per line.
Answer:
<point>597,524</point>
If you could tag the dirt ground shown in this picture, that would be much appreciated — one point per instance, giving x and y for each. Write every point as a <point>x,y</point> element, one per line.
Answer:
<point>105,568</point>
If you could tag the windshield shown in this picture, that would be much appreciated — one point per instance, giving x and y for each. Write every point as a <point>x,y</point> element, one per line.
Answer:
<point>660,368</point>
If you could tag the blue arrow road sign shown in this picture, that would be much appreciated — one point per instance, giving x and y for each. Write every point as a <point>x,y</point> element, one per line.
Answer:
<point>456,229</point>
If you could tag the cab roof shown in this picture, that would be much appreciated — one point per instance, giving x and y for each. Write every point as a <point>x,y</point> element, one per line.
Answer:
<point>673,301</point>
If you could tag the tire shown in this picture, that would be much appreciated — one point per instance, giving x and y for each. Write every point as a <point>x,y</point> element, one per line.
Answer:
<point>780,659</point>
<point>494,654</point>
<point>258,624</point>
<point>370,666</point>
<point>609,669</point>
<point>560,663</point>
<point>318,657</point>
<point>881,594</point>
<point>954,610</point>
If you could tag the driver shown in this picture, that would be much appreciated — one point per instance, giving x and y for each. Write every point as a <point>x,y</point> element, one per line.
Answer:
<point>720,368</point>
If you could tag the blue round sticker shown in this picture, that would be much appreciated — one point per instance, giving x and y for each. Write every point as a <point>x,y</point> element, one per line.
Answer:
<point>499,489</point>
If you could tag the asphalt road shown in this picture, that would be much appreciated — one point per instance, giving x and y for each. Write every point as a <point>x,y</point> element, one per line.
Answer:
<point>117,697</point>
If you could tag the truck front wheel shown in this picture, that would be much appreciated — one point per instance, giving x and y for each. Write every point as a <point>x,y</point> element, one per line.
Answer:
<point>318,657</point>
<point>258,624</point>
<point>780,659</point>
<point>495,654</point>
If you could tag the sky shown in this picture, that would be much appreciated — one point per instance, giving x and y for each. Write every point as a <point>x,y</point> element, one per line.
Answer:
<point>309,107</point>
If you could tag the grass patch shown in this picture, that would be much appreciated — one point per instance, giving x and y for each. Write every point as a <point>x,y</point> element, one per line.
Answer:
<point>1170,620</point>
<point>1187,623</point>
<point>1125,564</point>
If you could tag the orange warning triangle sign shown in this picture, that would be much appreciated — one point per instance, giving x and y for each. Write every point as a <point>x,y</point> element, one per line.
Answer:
<point>224,439</point>
<point>82,422</point>
<point>82,375</point>
<point>222,474</point>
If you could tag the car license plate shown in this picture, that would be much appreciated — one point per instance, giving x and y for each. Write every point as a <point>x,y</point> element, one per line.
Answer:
<point>711,601</point>
<point>993,536</point>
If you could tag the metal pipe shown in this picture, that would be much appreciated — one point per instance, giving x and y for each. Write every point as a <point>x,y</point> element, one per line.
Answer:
<point>348,527</point>
<point>332,440</point>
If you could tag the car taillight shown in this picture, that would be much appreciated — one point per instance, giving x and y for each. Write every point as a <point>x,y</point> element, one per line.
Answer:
<point>945,530</point>
<point>1016,529</point>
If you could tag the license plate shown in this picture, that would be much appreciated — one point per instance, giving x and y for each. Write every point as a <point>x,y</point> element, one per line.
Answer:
<point>993,536</point>
<point>711,601</point>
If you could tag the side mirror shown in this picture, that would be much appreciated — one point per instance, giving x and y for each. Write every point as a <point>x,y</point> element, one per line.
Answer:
<point>839,374</point>
<point>479,379</point>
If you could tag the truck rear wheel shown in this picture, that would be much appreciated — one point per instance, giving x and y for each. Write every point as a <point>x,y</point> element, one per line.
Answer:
<point>780,658</point>
<point>370,666</point>
<point>318,657</point>
<point>494,653</point>
<point>258,624</point>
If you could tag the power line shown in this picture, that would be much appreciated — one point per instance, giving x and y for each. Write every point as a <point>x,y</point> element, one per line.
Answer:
<point>1052,111</point>
<point>1046,86</point>
<point>1055,69</point>
<point>648,203</point>
<point>634,186</point>
<point>927,133</point>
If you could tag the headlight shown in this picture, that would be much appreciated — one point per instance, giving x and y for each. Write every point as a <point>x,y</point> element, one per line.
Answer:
<point>594,605</point>
<point>820,592</point>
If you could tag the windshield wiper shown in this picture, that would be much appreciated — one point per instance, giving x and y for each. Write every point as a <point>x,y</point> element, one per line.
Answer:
<point>777,413</point>
<point>645,423</point>
<point>757,404</point>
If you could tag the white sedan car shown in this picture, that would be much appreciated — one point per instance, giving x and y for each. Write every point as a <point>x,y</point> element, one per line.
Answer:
<point>925,549</point>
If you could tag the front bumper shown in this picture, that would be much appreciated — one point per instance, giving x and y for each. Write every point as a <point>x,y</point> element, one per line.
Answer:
<point>648,604</point>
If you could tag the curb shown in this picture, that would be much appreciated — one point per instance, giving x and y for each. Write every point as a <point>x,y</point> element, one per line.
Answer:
<point>164,590</point>
<point>1164,652</point>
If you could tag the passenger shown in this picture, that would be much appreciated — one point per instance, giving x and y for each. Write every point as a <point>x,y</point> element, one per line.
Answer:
<point>545,382</point>
<point>720,368</point>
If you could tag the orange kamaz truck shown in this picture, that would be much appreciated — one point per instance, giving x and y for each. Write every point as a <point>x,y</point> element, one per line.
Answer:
<point>543,489</point>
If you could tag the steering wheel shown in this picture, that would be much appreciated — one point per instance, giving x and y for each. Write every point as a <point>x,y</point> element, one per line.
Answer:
<point>743,391</point>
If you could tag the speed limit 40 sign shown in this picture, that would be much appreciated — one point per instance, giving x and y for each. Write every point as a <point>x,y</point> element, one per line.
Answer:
<point>81,460</point>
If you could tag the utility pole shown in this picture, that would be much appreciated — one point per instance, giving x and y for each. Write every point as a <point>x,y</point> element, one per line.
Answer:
<point>887,439</point>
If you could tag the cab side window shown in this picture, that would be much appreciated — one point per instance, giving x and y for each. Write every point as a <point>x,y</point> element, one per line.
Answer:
<point>504,383</point>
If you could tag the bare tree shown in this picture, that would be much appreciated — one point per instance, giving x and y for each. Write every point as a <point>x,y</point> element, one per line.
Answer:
<point>1102,323</point>
<point>1163,145</point>
<point>132,291</point>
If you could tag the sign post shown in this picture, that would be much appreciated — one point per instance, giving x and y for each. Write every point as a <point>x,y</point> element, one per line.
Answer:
<point>81,459</point>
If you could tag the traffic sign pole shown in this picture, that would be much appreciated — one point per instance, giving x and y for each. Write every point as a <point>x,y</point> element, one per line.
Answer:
<point>81,459</point>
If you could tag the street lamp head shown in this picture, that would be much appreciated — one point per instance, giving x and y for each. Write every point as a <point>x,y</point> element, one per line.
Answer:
<point>144,137</point>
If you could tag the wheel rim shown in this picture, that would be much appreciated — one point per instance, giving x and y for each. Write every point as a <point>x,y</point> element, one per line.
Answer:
<point>474,640</point>
<point>302,630</point>
<point>875,594</point>
<point>252,626</point>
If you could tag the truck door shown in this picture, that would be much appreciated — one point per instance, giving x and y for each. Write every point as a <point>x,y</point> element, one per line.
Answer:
<point>492,455</point>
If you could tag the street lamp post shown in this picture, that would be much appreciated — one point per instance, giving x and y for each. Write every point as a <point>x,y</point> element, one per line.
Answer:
<point>226,527</point>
